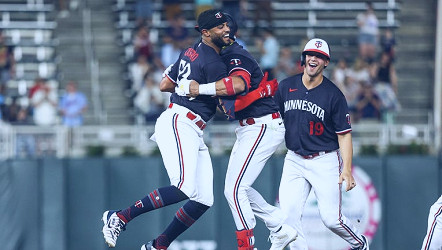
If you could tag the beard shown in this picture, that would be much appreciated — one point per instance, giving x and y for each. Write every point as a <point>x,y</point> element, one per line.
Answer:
<point>219,42</point>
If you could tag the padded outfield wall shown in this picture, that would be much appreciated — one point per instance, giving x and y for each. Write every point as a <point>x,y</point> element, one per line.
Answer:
<point>56,204</point>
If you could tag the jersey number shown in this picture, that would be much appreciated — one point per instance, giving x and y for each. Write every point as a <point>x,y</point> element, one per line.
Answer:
<point>183,70</point>
<point>316,128</point>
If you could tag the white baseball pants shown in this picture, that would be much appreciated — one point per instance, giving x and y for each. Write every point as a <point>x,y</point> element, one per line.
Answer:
<point>185,155</point>
<point>433,239</point>
<point>254,145</point>
<point>321,174</point>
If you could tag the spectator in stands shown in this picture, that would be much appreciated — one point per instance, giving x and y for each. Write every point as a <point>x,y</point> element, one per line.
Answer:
<point>63,11</point>
<point>368,104</point>
<point>72,106</point>
<point>286,64</point>
<point>263,13</point>
<point>178,32</point>
<point>7,62</point>
<point>384,76</point>
<point>237,9</point>
<point>142,43</point>
<point>143,12</point>
<point>137,70</point>
<point>268,47</point>
<point>143,46</point>
<point>388,43</point>
<point>25,142</point>
<point>170,51</point>
<point>172,8</point>
<point>11,111</point>
<point>149,100</point>
<point>340,73</point>
<point>44,106</point>
<point>368,33</point>
<point>360,72</point>
<point>38,84</point>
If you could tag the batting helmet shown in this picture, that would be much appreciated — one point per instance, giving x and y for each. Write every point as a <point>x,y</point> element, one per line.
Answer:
<point>232,25</point>
<point>316,45</point>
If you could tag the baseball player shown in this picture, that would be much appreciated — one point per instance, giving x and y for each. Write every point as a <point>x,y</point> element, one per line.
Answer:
<point>433,239</point>
<point>319,144</point>
<point>179,135</point>
<point>259,133</point>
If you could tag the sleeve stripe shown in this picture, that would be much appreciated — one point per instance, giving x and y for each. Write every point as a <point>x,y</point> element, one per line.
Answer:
<point>171,79</point>
<point>343,131</point>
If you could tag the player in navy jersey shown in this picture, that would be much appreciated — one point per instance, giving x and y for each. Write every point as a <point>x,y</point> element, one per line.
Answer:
<point>319,142</point>
<point>179,135</point>
<point>259,133</point>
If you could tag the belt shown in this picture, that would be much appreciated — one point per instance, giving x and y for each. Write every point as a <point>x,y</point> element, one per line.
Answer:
<point>315,154</point>
<point>193,117</point>
<point>251,120</point>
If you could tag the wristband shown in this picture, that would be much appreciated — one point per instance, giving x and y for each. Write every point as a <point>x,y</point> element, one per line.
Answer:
<point>207,89</point>
<point>228,82</point>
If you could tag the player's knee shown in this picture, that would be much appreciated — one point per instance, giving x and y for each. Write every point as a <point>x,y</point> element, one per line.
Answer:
<point>228,193</point>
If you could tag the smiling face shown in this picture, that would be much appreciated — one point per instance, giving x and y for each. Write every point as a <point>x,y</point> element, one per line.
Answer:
<point>315,63</point>
<point>219,35</point>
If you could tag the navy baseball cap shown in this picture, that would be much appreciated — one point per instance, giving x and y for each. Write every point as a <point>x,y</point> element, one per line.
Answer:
<point>209,19</point>
<point>232,25</point>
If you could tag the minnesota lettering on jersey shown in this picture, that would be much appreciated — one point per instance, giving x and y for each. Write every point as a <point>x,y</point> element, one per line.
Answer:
<point>305,106</point>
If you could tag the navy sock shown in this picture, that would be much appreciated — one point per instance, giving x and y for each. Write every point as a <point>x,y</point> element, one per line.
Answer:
<point>158,198</point>
<point>184,218</point>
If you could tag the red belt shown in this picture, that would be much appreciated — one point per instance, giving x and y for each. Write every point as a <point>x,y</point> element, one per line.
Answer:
<point>251,121</point>
<point>200,123</point>
<point>314,154</point>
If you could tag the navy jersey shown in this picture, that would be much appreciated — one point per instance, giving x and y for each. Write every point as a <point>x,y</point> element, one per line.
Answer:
<point>237,58</point>
<point>204,65</point>
<point>314,117</point>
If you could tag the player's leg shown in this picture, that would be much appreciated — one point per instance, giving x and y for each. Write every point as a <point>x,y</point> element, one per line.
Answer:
<point>280,234</point>
<point>253,147</point>
<point>323,175</point>
<point>200,193</point>
<point>433,238</point>
<point>293,193</point>
<point>170,141</point>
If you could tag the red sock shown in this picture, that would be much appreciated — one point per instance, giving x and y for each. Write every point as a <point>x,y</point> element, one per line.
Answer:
<point>245,239</point>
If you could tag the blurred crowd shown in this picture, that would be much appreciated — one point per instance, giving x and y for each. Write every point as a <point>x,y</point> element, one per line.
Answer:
<point>370,82</point>
<point>368,79</point>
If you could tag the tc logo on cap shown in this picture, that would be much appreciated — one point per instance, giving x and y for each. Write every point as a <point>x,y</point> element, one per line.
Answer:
<point>218,15</point>
<point>318,44</point>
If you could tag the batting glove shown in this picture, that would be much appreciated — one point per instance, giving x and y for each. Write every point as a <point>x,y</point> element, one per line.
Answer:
<point>167,71</point>
<point>267,88</point>
<point>182,89</point>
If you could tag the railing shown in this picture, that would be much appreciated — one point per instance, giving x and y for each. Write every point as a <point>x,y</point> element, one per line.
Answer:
<point>59,141</point>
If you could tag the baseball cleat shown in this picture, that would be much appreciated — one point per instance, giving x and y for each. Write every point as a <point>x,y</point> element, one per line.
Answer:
<point>283,237</point>
<point>112,227</point>
<point>148,246</point>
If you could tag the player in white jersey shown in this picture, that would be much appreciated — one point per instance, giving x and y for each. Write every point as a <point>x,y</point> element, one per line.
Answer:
<point>433,238</point>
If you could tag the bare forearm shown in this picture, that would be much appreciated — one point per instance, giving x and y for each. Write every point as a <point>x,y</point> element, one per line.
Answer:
<point>222,89</point>
<point>346,150</point>
<point>166,85</point>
